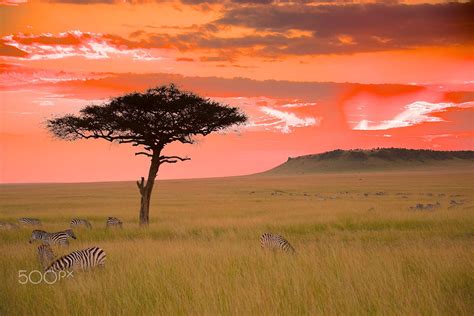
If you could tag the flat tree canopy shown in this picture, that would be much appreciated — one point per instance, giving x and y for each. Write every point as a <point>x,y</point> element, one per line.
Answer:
<point>150,121</point>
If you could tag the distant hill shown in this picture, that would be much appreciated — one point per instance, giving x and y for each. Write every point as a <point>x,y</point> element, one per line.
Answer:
<point>379,159</point>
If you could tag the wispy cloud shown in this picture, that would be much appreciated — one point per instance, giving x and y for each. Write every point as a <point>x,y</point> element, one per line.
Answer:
<point>299,104</point>
<point>71,44</point>
<point>285,121</point>
<point>15,75</point>
<point>430,138</point>
<point>12,2</point>
<point>19,113</point>
<point>414,113</point>
<point>44,102</point>
<point>267,113</point>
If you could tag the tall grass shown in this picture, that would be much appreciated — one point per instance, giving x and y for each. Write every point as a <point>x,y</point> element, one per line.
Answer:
<point>356,253</point>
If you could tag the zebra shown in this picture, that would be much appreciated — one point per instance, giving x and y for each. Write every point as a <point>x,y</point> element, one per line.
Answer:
<point>70,233</point>
<point>8,226</point>
<point>60,238</point>
<point>45,255</point>
<point>81,259</point>
<point>39,235</point>
<point>113,222</point>
<point>30,221</point>
<point>275,242</point>
<point>80,222</point>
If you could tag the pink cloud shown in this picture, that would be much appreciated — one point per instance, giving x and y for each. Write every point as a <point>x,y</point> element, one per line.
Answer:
<point>285,121</point>
<point>74,43</point>
<point>299,104</point>
<point>413,114</point>
<point>12,2</point>
<point>265,114</point>
<point>13,76</point>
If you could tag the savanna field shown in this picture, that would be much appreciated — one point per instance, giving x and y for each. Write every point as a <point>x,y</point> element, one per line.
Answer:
<point>362,246</point>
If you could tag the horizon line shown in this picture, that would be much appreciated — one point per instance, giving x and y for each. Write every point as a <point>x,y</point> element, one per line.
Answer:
<point>230,176</point>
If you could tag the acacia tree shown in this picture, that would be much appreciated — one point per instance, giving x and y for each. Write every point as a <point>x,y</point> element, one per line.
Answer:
<point>150,121</point>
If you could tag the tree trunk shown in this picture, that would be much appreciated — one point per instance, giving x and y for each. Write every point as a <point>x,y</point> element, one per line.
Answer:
<point>146,189</point>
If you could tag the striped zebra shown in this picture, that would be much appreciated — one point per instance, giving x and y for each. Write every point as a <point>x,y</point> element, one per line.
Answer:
<point>81,259</point>
<point>45,255</point>
<point>59,238</point>
<point>113,222</point>
<point>275,242</point>
<point>29,221</point>
<point>80,222</point>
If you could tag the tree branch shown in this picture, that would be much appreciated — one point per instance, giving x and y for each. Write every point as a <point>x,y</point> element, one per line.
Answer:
<point>143,153</point>
<point>141,185</point>
<point>168,161</point>
<point>162,158</point>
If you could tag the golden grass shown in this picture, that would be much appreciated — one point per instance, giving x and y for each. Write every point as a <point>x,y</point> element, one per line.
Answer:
<point>356,253</point>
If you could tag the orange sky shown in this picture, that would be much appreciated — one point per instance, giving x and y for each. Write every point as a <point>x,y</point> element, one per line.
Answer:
<point>312,76</point>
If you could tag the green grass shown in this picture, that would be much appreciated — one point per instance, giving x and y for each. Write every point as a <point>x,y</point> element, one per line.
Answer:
<point>357,252</point>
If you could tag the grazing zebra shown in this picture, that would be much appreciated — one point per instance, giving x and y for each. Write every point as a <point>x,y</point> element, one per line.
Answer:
<point>60,238</point>
<point>8,226</point>
<point>80,222</point>
<point>39,235</point>
<point>113,222</point>
<point>275,242</point>
<point>81,259</point>
<point>30,221</point>
<point>45,255</point>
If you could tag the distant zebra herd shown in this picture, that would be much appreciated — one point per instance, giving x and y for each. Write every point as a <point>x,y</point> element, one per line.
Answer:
<point>94,256</point>
<point>75,222</point>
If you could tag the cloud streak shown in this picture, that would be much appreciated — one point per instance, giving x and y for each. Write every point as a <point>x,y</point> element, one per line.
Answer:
<point>285,121</point>
<point>70,44</point>
<point>414,113</point>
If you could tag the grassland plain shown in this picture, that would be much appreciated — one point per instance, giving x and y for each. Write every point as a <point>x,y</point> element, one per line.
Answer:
<point>361,249</point>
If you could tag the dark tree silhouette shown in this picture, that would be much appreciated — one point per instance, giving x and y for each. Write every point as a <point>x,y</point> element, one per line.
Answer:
<point>149,120</point>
